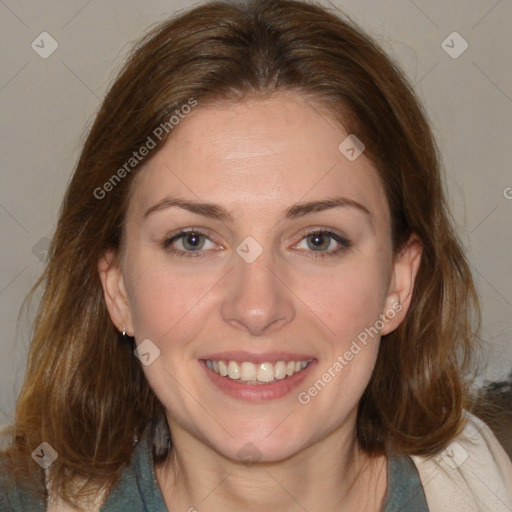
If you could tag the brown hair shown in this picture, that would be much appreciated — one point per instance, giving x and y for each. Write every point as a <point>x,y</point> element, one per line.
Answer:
<point>493,405</point>
<point>84,391</point>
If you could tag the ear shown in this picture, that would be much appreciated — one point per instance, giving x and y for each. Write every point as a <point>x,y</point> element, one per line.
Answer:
<point>114,291</point>
<point>405,267</point>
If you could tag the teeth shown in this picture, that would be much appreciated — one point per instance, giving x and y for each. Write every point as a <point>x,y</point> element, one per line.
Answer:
<point>233,370</point>
<point>265,372</point>
<point>248,371</point>
<point>256,373</point>
<point>280,370</point>
<point>223,369</point>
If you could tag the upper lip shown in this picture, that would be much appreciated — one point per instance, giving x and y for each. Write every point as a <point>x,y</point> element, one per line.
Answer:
<point>253,357</point>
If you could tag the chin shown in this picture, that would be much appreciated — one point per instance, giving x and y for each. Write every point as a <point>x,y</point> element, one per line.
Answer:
<point>266,442</point>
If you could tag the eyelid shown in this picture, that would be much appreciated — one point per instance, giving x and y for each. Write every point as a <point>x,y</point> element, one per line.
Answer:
<point>321,229</point>
<point>176,234</point>
<point>343,242</point>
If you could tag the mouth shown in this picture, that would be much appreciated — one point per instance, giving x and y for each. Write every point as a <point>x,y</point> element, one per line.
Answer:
<point>257,373</point>
<point>257,380</point>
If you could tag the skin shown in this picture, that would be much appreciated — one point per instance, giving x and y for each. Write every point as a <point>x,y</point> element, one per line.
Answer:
<point>256,159</point>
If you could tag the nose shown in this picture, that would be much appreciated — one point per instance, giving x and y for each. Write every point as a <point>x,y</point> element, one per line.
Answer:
<point>257,298</point>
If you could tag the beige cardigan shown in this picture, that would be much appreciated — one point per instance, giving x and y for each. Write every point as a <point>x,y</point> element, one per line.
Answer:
<point>474,474</point>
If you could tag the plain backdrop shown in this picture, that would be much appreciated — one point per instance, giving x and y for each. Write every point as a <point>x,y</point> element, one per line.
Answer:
<point>47,105</point>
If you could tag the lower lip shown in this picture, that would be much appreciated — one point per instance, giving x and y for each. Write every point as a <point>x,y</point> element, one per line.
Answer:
<point>258,392</point>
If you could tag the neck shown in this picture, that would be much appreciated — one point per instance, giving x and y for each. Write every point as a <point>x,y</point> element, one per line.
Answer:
<point>330,474</point>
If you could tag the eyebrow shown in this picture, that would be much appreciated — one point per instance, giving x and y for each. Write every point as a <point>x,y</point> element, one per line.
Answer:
<point>218,212</point>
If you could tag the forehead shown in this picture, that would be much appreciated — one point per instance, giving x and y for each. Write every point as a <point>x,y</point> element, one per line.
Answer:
<point>261,154</point>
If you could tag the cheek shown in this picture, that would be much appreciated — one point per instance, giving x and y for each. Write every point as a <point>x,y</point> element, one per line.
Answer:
<point>349,304</point>
<point>164,302</point>
<point>168,308</point>
<point>349,299</point>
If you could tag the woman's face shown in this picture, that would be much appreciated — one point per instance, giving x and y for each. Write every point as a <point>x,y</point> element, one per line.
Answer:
<point>260,279</point>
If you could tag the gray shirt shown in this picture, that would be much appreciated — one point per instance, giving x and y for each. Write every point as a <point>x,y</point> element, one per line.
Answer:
<point>138,491</point>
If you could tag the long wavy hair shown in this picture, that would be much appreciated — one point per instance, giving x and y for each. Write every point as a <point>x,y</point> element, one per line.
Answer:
<point>84,391</point>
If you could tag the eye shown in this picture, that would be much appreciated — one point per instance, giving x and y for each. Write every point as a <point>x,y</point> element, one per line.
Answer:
<point>319,241</point>
<point>191,241</point>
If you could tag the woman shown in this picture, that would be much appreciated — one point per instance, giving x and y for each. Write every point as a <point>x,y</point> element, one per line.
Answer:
<point>255,298</point>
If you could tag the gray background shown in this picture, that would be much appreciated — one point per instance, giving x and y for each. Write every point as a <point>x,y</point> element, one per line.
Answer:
<point>47,105</point>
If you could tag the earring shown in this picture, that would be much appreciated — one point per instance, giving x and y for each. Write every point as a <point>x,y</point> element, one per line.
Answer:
<point>124,330</point>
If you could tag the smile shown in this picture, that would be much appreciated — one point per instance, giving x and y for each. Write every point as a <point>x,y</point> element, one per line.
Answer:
<point>256,381</point>
<point>257,374</point>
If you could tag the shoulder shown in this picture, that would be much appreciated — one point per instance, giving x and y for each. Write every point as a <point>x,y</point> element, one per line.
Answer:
<point>17,496</point>
<point>14,496</point>
<point>473,473</point>
<point>129,491</point>
<point>135,488</point>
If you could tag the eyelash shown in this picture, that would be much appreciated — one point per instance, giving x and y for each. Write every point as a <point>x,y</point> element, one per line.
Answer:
<point>344,244</point>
